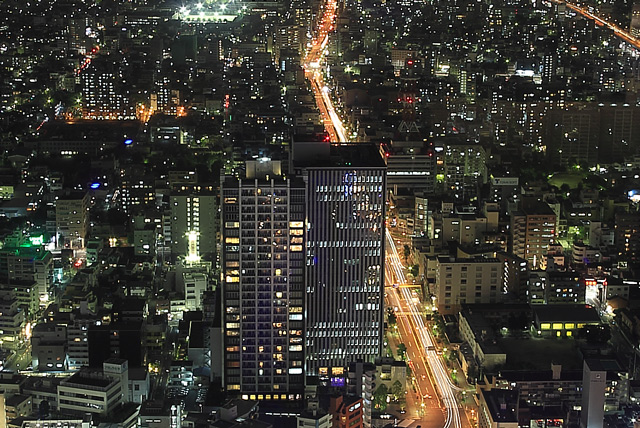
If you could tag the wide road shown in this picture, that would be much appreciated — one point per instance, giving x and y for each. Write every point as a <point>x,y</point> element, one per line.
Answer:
<point>313,63</point>
<point>427,366</point>
<point>623,34</point>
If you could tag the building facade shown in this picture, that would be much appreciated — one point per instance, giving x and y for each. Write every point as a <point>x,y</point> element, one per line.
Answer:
<point>72,219</point>
<point>533,230</point>
<point>344,259</point>
<point>263,265</point>
<point>473,280</point>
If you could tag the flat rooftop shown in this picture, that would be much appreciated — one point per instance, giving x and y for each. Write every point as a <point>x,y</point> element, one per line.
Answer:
<point>566,313</point>
<point>82,379</point>
<point>337,155</point>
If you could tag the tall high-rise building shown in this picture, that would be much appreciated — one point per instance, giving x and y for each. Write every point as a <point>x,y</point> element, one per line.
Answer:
<point>345,211</point>
<point>193,214</point>
<point>263,283</point>
<point>303,274</point>
<point>532,231</point>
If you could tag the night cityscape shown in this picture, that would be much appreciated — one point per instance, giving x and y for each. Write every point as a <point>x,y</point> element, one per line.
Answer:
<point>320,214</point>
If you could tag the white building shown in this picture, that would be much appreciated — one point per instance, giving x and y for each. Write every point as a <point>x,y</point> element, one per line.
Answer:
<point>89,392</point>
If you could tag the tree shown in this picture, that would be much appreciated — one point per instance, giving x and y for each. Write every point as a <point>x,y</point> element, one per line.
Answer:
<point>391,318</point>
<point>44,409</point>
<point>406,252</point>
<point>397,390</point>
<point>380,398</point>
<point>402,351</point>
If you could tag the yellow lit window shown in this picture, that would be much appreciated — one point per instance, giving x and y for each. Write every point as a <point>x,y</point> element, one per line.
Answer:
<point>295,224</point>
<point>545,326</point>
<point>569,333</point>
<point>569,326</point>
<point>233,387</point>
<point>296,248</point>
<point>337,371</point>
<point>323,371</point>
<point>581,325</point>
<point>557,326</point>
<point>558,333</point>
<point>232,240</point>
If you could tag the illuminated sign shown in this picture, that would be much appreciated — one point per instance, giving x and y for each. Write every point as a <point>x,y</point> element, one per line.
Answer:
<point>36,240</point>
<point>337,381</point>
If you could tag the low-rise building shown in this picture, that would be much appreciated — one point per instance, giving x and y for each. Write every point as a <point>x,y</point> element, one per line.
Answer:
<point>89,392</point>
<point>160,414</point>
<point>12,321</point>
<point>552,322</point>
<point>476,332</point>
<point>49,347</point>
<point>498,408</point>
<point>346,412</point>
<point>314,417</point>
<point>26,293</point>
<point>18,405</point>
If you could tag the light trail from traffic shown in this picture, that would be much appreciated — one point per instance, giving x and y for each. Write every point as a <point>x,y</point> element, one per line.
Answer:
<point>312,68</point>
<point>423,337</point>
<point>624,35</point>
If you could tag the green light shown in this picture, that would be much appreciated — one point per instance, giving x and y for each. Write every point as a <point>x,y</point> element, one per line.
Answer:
<point>36,240</point>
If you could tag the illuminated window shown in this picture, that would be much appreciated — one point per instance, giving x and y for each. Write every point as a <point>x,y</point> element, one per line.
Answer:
<point>569,326</point>
<point>295,224</point>
<point>337,370</point>
<point>569,334</point>
<point>232,240</point>
<point>545,326</point>
<point>323,371</point>
<point>296,248</point>
<point>557,326</point>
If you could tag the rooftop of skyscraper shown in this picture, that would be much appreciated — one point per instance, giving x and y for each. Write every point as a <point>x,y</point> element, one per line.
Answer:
<point>331,155</point>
